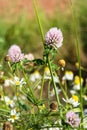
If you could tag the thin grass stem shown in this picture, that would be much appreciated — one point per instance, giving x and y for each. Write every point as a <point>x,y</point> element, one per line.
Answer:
<point>78,58</point>
<point>38,19</point>
<point>42,85</point>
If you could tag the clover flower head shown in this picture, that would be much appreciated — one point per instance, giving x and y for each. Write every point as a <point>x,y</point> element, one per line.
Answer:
<point>15,54</point>
<point>72,119</point>
<point>54,37</point>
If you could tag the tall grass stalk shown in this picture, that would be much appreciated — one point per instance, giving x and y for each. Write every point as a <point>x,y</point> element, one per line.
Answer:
<point>78,58</point>
<point>38,19</point>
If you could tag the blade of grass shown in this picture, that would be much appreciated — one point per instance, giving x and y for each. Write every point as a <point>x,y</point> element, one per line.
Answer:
<point>38,19</point>
<point>78,58</point>
<point>4,110</point>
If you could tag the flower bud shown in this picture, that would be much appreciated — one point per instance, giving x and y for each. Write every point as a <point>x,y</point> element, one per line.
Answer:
<point>7,126</point>
<point>77,65</point>
<point>53,106</point>
<point>7,58</point>
<point>62,63</point>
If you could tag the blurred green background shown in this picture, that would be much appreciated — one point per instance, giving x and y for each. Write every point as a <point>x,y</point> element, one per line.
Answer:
<point>18,25</point>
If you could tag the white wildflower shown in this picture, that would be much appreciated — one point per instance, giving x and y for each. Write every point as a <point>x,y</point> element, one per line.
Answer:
<point>9,102</point>
<point>73,101</point>
<point>13,115</point>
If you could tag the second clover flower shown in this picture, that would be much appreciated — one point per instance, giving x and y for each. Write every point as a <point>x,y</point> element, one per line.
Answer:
<point>54,37</point>
<point>72,119</point>
<point>15,53</point>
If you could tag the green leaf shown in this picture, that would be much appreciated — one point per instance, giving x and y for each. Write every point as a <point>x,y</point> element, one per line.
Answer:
<point>24,106</point>
<point>77,110</point>
<point>38,62</point>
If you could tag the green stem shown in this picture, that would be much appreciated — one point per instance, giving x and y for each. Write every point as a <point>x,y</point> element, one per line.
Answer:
<point>10,66</point>
<point>42,87</point>
<point>49,93</point>
<point>65,87</point>
<point>17,96</point>
<point>3,89</point>
<point>64,92</point>
<point>79,60</point>
<point>38,19</point>
<point>34,115</point>
<point>27,81</point>
<point>54,85</point>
